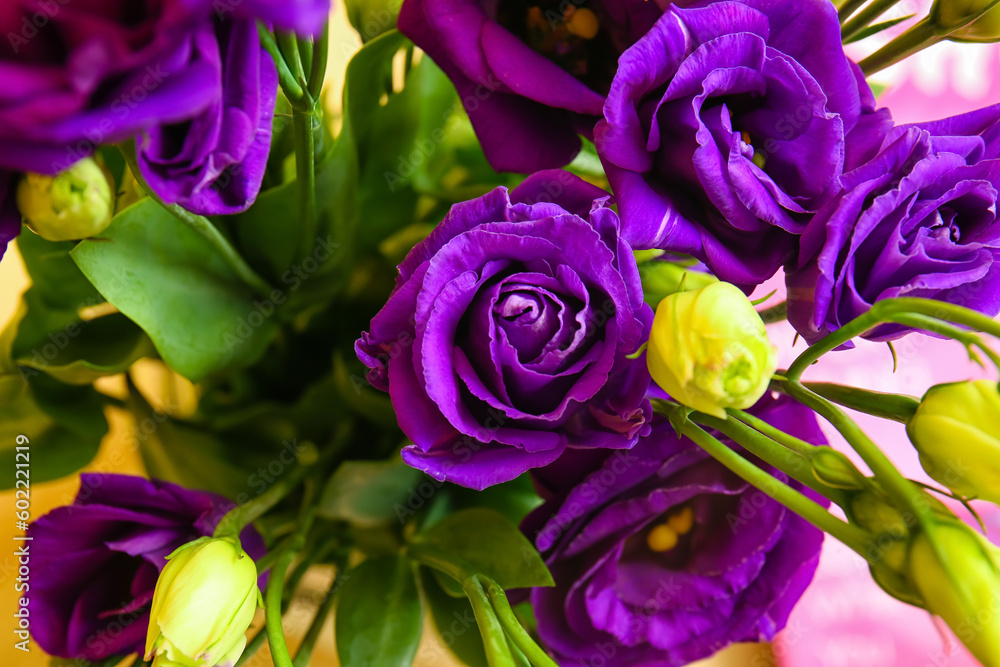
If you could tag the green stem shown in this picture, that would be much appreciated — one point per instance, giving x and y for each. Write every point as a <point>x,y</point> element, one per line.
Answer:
<point>288,45</point>
<point>276,585</point>
<point>316,627</point>
<point>917,38</point>
<point>903,492</point>
<point>305,176</point>
<point>883,312</point>
<point>865,17</point>
<point>514,629</point>
<point>895,407</point>
<point>252,647</point>
<point>293,91</point>
<point>934,325</point>
<point>317,73</point>
<point>797,445</point>
<point>854,537</point>
<point>847,8</point>
<point>494,640</point>
<point>203,227</point>
<point>771,452</point>
<point>242,515</point>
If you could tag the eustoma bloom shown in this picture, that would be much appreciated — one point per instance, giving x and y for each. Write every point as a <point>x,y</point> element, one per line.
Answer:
<point>531,74</point>
<point>727,124</point>
<point>95,563</point>
<point>506,338</point>
<point>920,220</point>
<point>76,77</point>
<point>661,556</point>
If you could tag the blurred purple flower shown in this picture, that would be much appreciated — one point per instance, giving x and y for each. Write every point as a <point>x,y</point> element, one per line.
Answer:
<point>95,562</point>
<point>661,556</point>
<point>532,75</point>
<point>506,337</point>
<point>727,124</point>
<point>918,220</point>
<point>189,72</point>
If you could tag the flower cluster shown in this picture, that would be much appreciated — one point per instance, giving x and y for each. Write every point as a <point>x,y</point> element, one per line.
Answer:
<point>188,80</point>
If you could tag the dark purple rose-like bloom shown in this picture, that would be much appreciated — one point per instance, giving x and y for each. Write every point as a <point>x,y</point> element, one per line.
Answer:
<point>919,220</point>
<point>214,163</point>
<point>531,74</point>
<point>10,217</point>
<point>727,124</point>
<point>76,75</point>
<point>505,339</point>
<point>94,563</point>
<point>661,556</point>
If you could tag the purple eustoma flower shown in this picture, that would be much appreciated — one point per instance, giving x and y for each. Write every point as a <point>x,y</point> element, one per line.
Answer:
<point>505,339</point>
<point>662,556</point>
<point>532,75</point>
<point>727,124</point>
<point>919,220</point>
<point>76,76</point>
<point>95,562</point>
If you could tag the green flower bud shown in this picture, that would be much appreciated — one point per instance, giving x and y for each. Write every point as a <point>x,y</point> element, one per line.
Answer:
<point>709,349</point>
<point>75,204</point>
<point>660,279</point>
<point>955,14</point>
<point>984,29</point>
<point>203,604</point>
<point>962,586</point>
<point>835,470</point>
<point>956,430</point>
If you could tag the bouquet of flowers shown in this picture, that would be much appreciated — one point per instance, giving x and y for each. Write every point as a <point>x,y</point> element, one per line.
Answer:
<point>482,337</point>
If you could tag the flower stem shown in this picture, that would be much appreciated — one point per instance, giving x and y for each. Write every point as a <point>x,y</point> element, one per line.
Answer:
<point>288,45</point>
<point>895,407</point>
<point>793,464</point>
<point>847,8</point>
<point>854,537</point>
<point>276,585</point>
<point>305,176</point>
<point>316,627</point>
<point>293,91</point>
<point>917,38</point>
<point>317,72</point>
<point>865,17</point>
<point>203,227</point>
<point>494,639</point>
<point>776,313</point>
<point>532,651</point>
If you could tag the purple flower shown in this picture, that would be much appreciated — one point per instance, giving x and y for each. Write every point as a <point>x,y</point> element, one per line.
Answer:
<point>505,339</point>
<point>79,76</point>
<point>532,75</point>
<point>214,163</point>
<point>726,126</point>
<point>661,556</point>
<point>919,220</point>
<point>95,562</point>
<point>10,217</point>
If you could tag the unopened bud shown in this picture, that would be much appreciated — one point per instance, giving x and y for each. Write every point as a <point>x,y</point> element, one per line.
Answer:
<point>74,204</point>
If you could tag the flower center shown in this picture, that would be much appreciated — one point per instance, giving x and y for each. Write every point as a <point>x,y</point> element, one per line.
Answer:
<point>570,34</point>
<point>665,536</point>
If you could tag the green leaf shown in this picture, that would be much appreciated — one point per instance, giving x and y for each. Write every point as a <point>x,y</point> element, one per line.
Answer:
<point>104,346</point>
<point>454,621</point>
<point>65,426</point>
<point>482,541</point>
<point>379,618</point>
<point>170,281</point>
<point>370,493</point>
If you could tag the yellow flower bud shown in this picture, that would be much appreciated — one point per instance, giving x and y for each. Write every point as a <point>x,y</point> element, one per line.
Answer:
<point>75,204</point>
<point>962,586</point>
<point>203,604</point>
<point>709,349</point>
<point>956,430</point>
